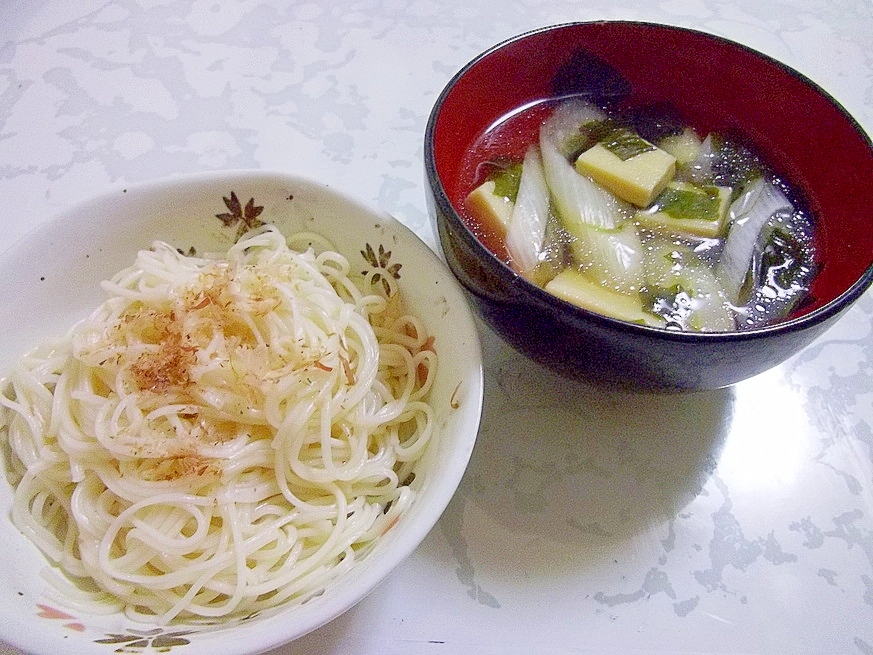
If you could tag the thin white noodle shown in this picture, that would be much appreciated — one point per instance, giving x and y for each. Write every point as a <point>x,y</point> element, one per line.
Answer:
<point>222,434</point>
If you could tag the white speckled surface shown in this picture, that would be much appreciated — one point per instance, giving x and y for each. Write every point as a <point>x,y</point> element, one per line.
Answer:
<point>735,521</point>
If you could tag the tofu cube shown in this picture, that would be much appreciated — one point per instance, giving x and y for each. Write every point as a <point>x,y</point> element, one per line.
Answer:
<point>637,179</point>
<point>576,288</point>
<point>492,210</point>
<point>687,208</point>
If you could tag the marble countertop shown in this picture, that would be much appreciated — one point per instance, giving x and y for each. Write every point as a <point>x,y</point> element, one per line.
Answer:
<point>732,521</point>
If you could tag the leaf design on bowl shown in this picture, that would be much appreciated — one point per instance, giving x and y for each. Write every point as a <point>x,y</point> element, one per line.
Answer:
<point>132,641</point>
<point>135,641</point>
<point>246,217</point>
<point>384,268</point>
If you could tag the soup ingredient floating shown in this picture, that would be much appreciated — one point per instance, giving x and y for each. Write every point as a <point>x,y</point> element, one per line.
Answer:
<point>221,435</point>
<point>632,214</point>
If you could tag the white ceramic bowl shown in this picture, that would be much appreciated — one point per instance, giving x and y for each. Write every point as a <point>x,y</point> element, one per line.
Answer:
<point>50,280</point>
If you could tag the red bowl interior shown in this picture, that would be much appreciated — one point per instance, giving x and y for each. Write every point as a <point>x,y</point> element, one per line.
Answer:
<point>715,84</point>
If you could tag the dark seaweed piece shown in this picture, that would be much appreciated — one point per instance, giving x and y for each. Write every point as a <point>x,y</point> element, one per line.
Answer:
<point>655,121</point>
<point>507,181</point>
<point>672,304</point>
<point>735,166</point>
<point>782,270</point>
<point>786,262</point>
<point>621,141</point>
<point>585,74</point>
<point>504,172</point>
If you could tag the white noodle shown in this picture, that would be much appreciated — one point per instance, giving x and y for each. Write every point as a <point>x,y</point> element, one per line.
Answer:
<point>222,434</point>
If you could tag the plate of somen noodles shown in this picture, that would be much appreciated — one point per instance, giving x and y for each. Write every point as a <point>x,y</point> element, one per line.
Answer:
<point>230,405</point>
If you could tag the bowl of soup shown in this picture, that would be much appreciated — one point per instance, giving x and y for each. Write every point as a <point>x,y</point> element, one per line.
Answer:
<point>649,206</point>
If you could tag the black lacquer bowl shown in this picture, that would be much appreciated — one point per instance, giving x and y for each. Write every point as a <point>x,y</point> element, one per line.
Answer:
<point>715,84</point>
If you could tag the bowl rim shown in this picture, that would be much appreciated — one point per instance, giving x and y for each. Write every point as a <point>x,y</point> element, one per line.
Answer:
<point>832,308</point>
